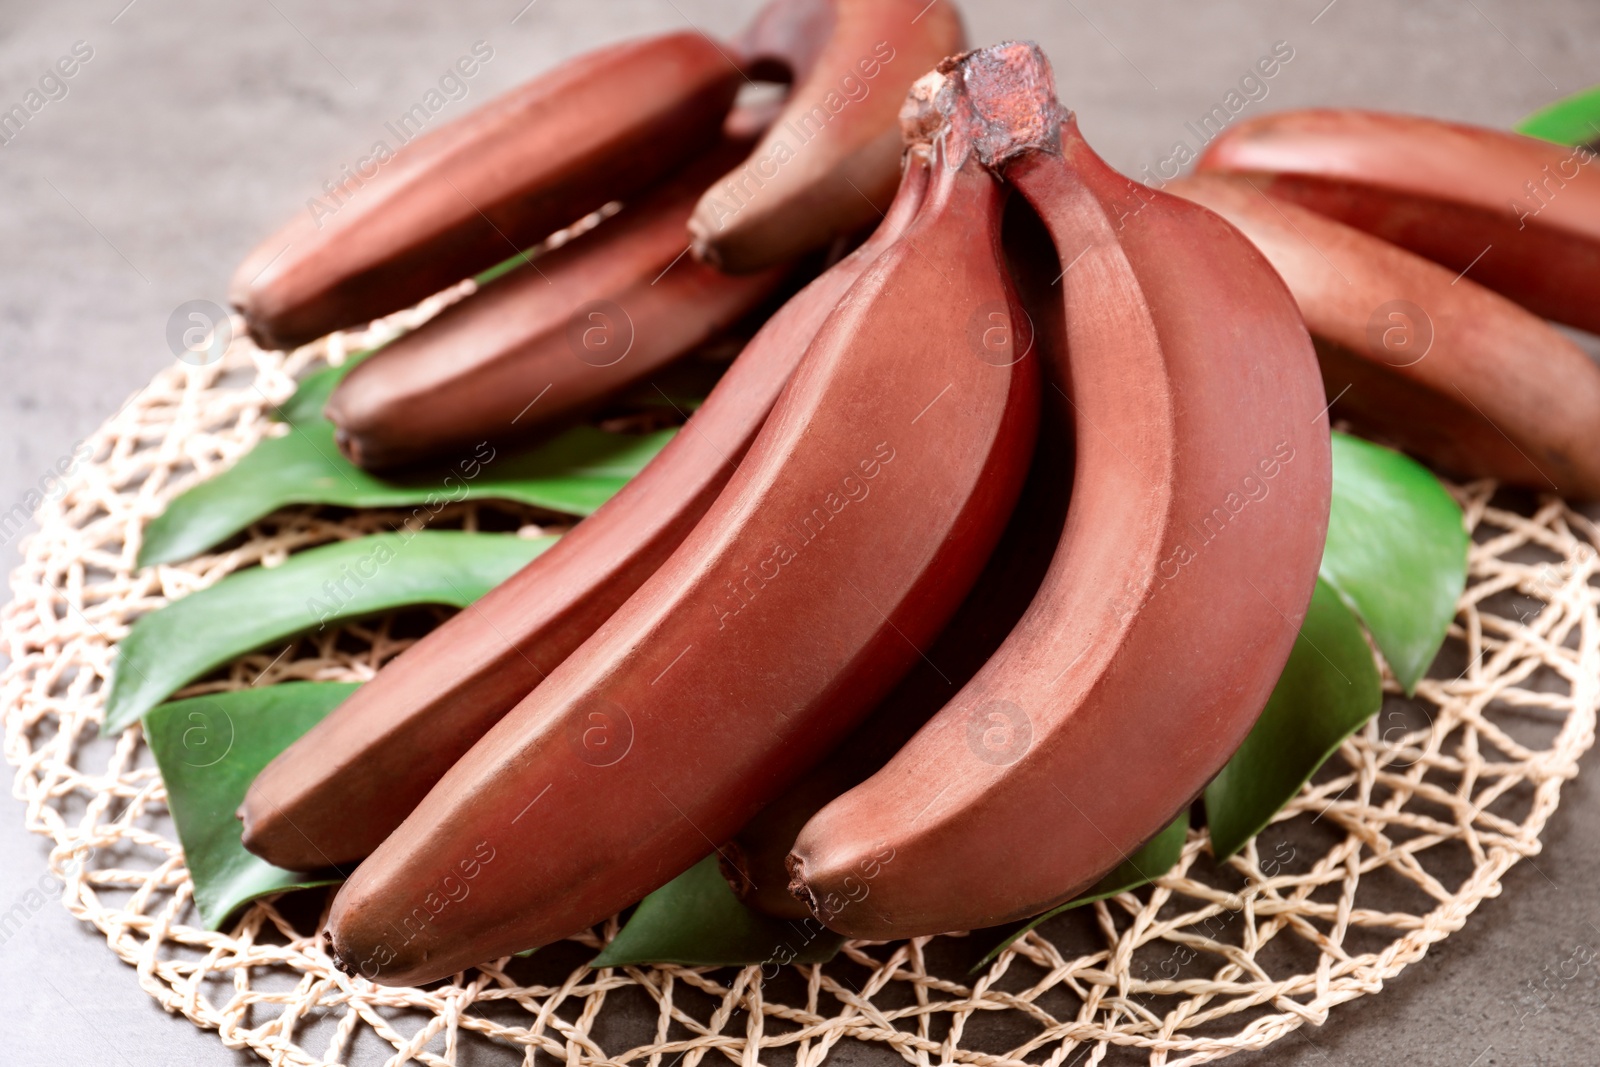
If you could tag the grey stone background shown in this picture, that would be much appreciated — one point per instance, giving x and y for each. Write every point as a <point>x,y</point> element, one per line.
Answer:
<point>196,128</point>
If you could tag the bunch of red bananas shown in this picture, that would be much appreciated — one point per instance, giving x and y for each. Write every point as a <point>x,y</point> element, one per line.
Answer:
<point>984,554</point>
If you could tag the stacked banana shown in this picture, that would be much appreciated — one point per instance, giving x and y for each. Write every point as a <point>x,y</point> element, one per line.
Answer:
<point>1003,489</point>
<point>342,789</point>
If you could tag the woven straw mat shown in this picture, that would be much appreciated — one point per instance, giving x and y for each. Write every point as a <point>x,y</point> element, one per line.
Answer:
<point>1410,825</point>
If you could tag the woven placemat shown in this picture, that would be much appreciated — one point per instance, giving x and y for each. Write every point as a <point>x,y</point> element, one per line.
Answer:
<point>1389,849</point>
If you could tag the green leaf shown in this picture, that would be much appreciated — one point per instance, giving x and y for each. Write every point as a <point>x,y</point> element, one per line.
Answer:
<point>209,750</point>
<point>1158,856</point>
<point>573,473</point>
<point>1396,552</point>
<point>175,644</point>
<point>504,267</point>
<point>1329,687</point>
<point>305,405</point>
<point>1573,120</point>
<point>695,920</point>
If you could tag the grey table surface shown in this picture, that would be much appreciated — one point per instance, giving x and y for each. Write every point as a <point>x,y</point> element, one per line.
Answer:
<point>195,128</point>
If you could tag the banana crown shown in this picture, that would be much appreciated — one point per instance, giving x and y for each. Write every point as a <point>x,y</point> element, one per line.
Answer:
<point>1001,98</point>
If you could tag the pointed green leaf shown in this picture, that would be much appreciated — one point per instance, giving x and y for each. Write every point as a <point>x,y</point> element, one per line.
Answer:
<point>1572,120</point>
<point>573,473</point>
<point>1396,552</point>
<point>1329,687</point>
<point>173,645</point>
<point>305,405</point>
<point>695,920</point>
<point>504,267</point>
<point>209,750</point>
<point>1158,856</point>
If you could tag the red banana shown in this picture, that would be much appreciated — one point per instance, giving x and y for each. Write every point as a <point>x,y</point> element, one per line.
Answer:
<point>786,39</point>
<point>829,162</point>
<point>1415,355</point>
<point>468,195</point>
<point>1517,214</point>
<point>334,795</point>
<point>754,861</point>
<point>1191,547</point>
<point>864,511</point>
<point>551,340</point>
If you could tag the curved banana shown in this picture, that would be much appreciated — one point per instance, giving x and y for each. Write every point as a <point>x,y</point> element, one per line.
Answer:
<point>861,516</point>
<point>754,861</point>
<point>478,190</point>
<point>1418,356</point>
<point>335,794</point>
<point>1191,547</point>
<point>551,340</point>
<point>1517,214</point>
<point>786,38</point>
<point>829,162</point>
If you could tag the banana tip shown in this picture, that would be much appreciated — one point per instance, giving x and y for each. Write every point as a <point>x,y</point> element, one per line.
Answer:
<point>260,841</point>
<point>703,248</point>
<point>250,827</point>
<point>257,330</point>
<point>333,952</point>
<point>266,833</point>
<point>735,870</point>
<point>349,444</point>
<point>799,888</point>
